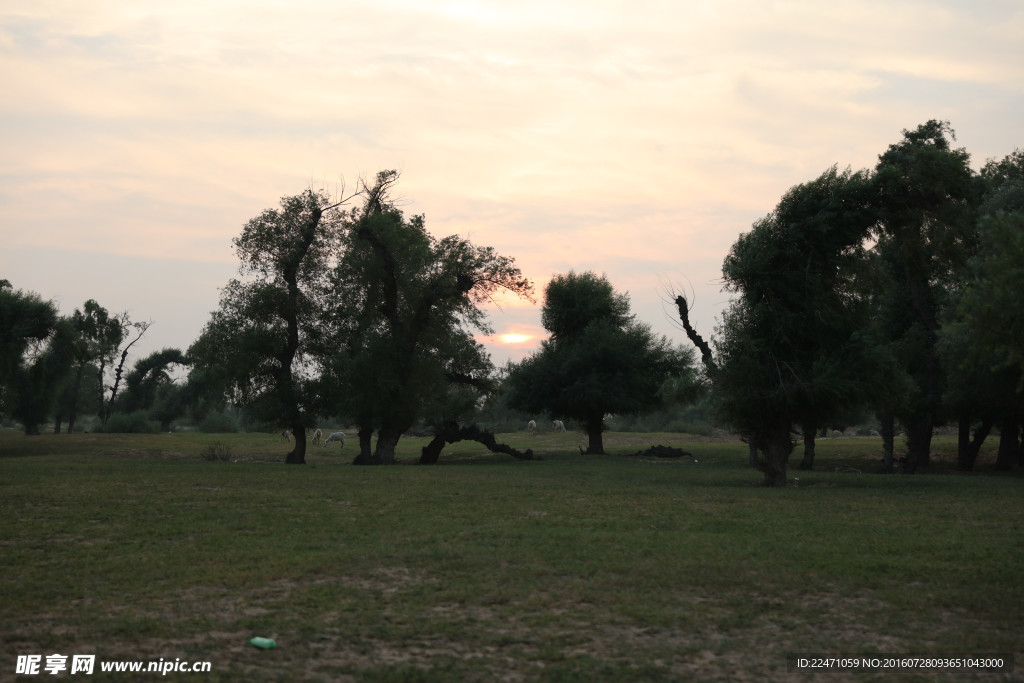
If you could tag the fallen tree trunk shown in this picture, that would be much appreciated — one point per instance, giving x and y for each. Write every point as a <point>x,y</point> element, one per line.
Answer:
<point>452,432</point>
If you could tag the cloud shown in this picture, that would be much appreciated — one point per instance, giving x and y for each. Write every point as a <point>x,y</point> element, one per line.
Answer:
<point>632,139</point>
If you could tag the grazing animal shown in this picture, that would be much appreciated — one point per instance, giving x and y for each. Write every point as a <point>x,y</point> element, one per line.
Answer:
<point>532,426</point>
<point>317,436</point>
<point>286,436</point>
<point>335,436</point>
<point>559,426</point>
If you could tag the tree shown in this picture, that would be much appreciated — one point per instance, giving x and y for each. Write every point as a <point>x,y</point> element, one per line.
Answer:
<point>926,196</point>
<point>146,378</point>
<point>126,326</point>
<point>260,341</point>
<point>982,333</point>
<point>80,388</point>
<point>36,349</point>
<point>405,305</point>
<point>99,337</point>
<point>150,387</point>
<point>981,390</point>
<point>25,319</point>
<point>598,359</point>
<point>791,348</point>
<point>991,303</point>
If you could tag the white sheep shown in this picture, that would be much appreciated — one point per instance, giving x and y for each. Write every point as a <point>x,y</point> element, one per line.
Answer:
<point>335,436</point>
<point>317,435</point>
<point>558,426</point>
<point>532,426</point>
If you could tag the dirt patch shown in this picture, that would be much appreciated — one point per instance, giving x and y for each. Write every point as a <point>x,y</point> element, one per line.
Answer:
<point>663,452</point>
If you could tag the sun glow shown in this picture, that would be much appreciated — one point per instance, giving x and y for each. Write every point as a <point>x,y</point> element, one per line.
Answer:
<point>513,338</point>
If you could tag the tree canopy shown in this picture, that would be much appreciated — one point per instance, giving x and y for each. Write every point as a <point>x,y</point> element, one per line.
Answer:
<point>791,348</point>
<point>36,353</point>
<point>598,359</point>
<point>262,340</point>
<point>405,306</point>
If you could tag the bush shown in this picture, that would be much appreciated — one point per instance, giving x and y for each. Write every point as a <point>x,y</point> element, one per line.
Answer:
<point>218,423</point>
<point>137,422</point>
<point>218,452</point>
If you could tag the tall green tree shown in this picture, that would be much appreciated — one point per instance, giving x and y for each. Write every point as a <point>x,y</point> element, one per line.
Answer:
<point>926,196</point>
<point>991,302</point>
<point>150,386</point>
<point>597,360</point>
<point>147,376</point>
<point>982,336</point>
<point>103,344</point>
<point>261,340</point>
<point>405,307</point>
<point>37,381</point>
<point>791,349</point>
<point>25,319</point>
<point>36,352</point>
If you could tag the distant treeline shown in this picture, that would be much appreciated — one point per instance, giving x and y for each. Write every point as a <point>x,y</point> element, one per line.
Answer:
<point>889,296</point>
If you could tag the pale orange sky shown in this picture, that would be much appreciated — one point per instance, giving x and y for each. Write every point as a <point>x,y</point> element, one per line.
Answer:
<point>635,139</point>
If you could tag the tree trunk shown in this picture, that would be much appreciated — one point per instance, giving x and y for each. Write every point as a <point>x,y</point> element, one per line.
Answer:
<point>752,460</point>
<point>72,403</point>
<point>919,442</point>
<point>887,428</point>
<point>57,419</point>
<point>365,455</point>
<point>595,436</point>
<point>1008,446</point>
<point>965,460</point>
<point>298,454</point>
<point>808,462</point>
<point>117,382</point>
<point>387,440</point>
<point>450,432</point>
<point>431,453</point>
<point>1020,452</point>
<point>101,406</point>
<point>777,448</point>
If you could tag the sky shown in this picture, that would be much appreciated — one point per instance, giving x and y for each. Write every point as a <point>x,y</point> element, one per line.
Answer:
<point>635,139</point>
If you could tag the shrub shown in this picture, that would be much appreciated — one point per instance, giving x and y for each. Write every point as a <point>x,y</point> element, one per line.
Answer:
<point>217,452</point>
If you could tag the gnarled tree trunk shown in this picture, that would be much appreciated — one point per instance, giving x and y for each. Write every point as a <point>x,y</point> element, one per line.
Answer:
<point>387,440</point>
<point>595,435</point>
<point>298,454</point>
<point>365,455</point>
<point>776,444</point>
<point>451,432</point>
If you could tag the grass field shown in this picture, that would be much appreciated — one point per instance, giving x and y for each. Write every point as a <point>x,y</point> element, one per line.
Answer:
<point>571,568</point>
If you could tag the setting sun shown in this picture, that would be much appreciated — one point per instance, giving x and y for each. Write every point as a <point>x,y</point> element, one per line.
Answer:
<point>513,338</point>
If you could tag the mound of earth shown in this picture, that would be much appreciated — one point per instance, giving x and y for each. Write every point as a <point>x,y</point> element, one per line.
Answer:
<point>663,452</point>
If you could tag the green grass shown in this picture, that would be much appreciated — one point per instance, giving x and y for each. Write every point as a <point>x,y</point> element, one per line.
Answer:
<point>572,568</point>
